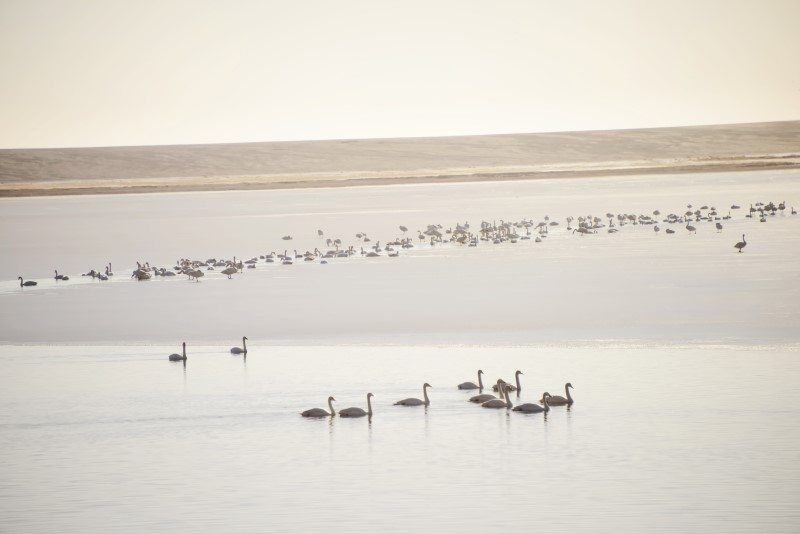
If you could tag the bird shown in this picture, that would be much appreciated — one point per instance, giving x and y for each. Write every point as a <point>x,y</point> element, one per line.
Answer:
<point>319,412</point>
<point>229,271</point>
<point>472,385</point>
<point>26,284</point>
<point>741,244</point>
<point>417,402</point>
<point>179,357</point>
<point>61,276</point>
<point>558,400</point>
<point>358,412</point>
<point>518,387</point>
<point>719,227</point>
<point>691,228</point>
<point>499,403</point>
<point>534,408</point>
<point>483,397</point>
<point>242,350</point>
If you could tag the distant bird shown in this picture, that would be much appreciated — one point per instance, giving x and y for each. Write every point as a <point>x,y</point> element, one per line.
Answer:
<point>472,385</point>
<point>534,408</point>
<point>719,227</point>
<point>518,387</point>
<point>319,412</point>
<point>287,238</point>
<point>417,402</point>
<point>558,400</point>
<point>242,350</point>
<point>670,231</point>
<point>229,271</point>
<point>741,244</point>
<point>26,284</point>
<point>61,276</point>
<point>179,357</point>
<point>691,228</point>
<point>358,412</point>
<point>499,403</point>
<point>403,229</point>
<point>320,234</point>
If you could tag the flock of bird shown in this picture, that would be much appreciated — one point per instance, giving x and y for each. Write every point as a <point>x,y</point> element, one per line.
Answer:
<point>485,400</point>
<point>493,232</point>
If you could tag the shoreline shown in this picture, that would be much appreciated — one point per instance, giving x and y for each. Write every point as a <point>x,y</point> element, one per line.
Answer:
<point>377,178</point>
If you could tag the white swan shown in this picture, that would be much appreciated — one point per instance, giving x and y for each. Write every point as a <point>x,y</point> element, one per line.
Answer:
<point>358,412</point>
<point>242,350</point>
<point>319,412</point>
<point>499,403</point>
<point>534,408</point>
<point>179,357</point>
<point>417,402</point>
<point>472,385</point>
<point>510,387</point>
<point>558,400</point>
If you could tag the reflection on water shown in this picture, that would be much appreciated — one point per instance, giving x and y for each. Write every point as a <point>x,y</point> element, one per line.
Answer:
<point>660,437</point>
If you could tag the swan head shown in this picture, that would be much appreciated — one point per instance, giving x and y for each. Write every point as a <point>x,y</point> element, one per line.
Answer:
<point>369,395</point>
<point>480,372</point>
<point>184,344</point>
<point>545,395</point>
<point>568,385</point>
<point>245,338</point>
<point>519,372</point>
<point>331,399</point>
<point>426,385</point>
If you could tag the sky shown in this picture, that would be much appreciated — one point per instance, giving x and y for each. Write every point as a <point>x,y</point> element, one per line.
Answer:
<point>108,72</point>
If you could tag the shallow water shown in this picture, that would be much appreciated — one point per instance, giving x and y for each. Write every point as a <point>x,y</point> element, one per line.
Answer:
<point>683,353</point>
<point>635,285</point>
<point>690,439</point>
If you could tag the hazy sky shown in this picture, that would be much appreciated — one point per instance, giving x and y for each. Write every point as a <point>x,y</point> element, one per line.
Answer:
<point>100,72</point>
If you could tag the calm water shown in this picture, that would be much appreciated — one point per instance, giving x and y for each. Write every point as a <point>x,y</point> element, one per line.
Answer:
<point>691,439</point>
<point>683,354</point>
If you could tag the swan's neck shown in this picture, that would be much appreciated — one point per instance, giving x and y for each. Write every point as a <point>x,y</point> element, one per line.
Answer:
<point>330,406</point>
<point>546,406</point>
<point>184,351</point>
<point>519,387</point>
<point>425,395</point>
<point>244,344</point>
<point>508,400</point>
<point>480,382</point>
<point>369,406</point>
<point>569,397</point>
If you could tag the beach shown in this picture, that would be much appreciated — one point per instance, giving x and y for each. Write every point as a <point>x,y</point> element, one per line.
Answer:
<point>304,164</point>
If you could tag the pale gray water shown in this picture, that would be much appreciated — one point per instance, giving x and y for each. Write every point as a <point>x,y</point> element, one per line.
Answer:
<point>661,438</point>
<point>683,353</point>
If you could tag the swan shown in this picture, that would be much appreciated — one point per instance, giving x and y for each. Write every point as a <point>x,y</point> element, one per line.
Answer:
<point>229,271</point>
<point>499,403</point>
<point>319,412</point>
<point>243,350</point>
<point>417,402</point>
<point>61,276</point>
<point>534,408</point>
<point>358,412</point>
<point>27,284</point>
<point>518,387</point>
<point>179,357</point>
<point>484,397</point>
<point>471,385</point>
<point>558,400</point>
<point>741,244</point>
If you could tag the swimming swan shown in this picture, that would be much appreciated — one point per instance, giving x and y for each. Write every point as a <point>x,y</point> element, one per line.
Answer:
<point>510,387</point>
<point>178,357</point>
<point>417,402</point>
<point>243,350</point>
<point>319,412</point>
<point>534,408</point>
<point>472,385</point>
<point>358,412</point>
<point>558,400</point>
<point>499,403</point>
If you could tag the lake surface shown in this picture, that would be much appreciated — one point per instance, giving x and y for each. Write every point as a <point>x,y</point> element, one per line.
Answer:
<point>685,357</point>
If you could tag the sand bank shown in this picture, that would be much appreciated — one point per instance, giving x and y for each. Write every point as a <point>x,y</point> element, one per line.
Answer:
<point>305,164</point>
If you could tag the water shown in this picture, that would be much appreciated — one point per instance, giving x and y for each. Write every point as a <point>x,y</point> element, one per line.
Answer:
<point>660,438</point>
<point>683,354</point>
